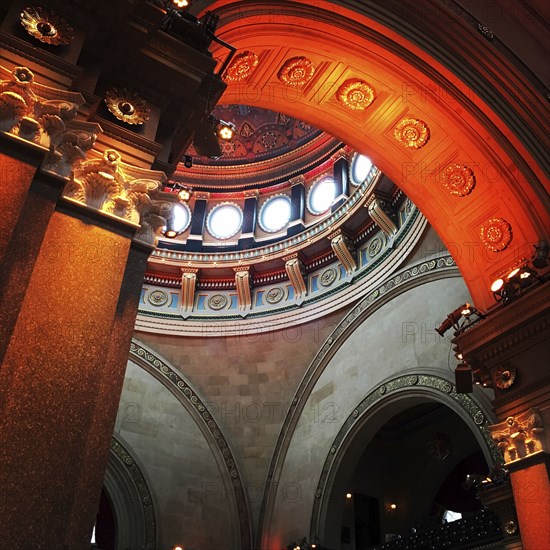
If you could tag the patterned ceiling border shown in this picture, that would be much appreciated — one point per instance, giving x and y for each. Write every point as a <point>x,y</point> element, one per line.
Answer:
<point>428,384</point>
<point>134,473</point>
<point>415,275</point>
<point>186,394</point>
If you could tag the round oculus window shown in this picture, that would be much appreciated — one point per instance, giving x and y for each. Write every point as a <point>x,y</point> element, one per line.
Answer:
<point>360,169</point>
<point>275,214</point>
<point>224,221</point>
<point>321,196</point>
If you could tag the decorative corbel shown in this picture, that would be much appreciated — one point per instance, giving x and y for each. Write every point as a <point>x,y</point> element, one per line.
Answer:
<point>243,285</point>
<point>187,296</point>
<point>294,268</point>
<point>382,214</point>
<point>343,249</point>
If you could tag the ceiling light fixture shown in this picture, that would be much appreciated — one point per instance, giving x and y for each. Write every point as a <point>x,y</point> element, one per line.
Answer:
<point>226,130</point>
<point>471,316</point>
<point>181,3</point>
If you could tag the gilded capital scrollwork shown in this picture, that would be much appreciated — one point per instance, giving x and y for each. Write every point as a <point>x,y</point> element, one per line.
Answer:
<point>519,436</point>
<point>112,186</point>
<point>45,116</point>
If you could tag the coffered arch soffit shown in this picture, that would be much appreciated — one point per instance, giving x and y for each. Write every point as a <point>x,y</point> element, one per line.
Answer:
<point>487,222</point>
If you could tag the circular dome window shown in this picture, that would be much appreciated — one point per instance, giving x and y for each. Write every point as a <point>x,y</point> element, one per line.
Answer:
<point>321,196</point>
<point>275,214</point>
<point>181,218</point>
<point>360,169</point>
<point>224,221</point>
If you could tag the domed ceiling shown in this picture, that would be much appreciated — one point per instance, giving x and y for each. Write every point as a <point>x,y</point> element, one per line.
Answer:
<point>260,135</point>
<point>289,223</point>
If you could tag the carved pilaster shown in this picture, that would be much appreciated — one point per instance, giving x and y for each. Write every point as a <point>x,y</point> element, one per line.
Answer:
<point>341,246</point>
<point>122,190</point>
<point>294,267</point>
<point>519,437</point>
<point>382,214</point>
<point>188,283</point>
<point>243,285</point>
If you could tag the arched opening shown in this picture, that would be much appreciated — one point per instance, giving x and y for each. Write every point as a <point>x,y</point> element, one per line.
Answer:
<point>506,198</point>
<point>403,475</point>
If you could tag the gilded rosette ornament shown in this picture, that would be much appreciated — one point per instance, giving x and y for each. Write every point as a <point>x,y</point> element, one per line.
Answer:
<point>458,179</point>
<point>296,71</point>
<point>496,234</point>
<point>505,376</point>
<point>355,94</point>
<point>45,25</point>
<point>412,133</point>
<point>241,67</point>
<point>127,105</point>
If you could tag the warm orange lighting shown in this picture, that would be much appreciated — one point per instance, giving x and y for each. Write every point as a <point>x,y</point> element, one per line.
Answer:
<point>497,285</point>
<point>313,545</point>
<point>177,548</point>
<point>466,310</point>
<point>184,195</point>
<point>170,234</point>
<point>393,506</point>
<point>348,495</point>
<point>525,275</point>
<point>226,130</point>
<point>512,273</point>
<point>180,4</point>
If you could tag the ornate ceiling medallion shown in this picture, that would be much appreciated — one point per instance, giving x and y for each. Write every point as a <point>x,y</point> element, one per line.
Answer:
<point>412,133</point>
<point>355,94</point>
<point>296,71</point>
<point>458,179</point>
<point>496,234</point>
<point>241,67</point>
<point>127,105</point>
<point>45,25</point>
<point>505,376</point>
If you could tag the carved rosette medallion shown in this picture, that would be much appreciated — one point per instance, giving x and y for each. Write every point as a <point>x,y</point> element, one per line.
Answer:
<point>158,298</point>
<point>458,179</point>
<point>296,71</point>
<point>127,105</point>
<point>274,295</point>
<point>505,376</point>
<point>241,67</point>
<point>328,277</point>
<point>374,247</point>
<point>496,234</point>
<point>45,25</point>
<point>217,302</point>
<point>355,94</point>
<point>412,133</point>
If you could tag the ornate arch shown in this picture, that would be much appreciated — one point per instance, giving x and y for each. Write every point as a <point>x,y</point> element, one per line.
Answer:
<point>401,282</point>
<point>430,387</point>
<point>429,112</point>
<point>193,403</point>
<point>130,498</point>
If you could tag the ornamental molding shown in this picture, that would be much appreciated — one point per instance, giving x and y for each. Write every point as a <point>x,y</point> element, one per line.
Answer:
<point>458,179</point>
<point>366,279</point>
<point>355,94</point>
<point>46,25</point>
<point>394,286</point>
<point>194,404</point>
<point>133,474</point>
<point>520,436</point>
<point>380,212</point>
<point>45,116</point>
<point>440,389</point>
<point>241,67</point>
<point>412,133</point>
<point>322,229</point>
<point>344,251</point>
<point>496,234</point>
<point>111,186</point>
<point>296,71</point>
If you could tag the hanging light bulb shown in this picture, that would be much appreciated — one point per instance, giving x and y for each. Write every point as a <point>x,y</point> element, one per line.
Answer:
<point>181,3</point>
